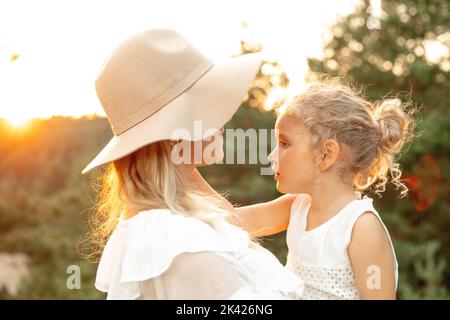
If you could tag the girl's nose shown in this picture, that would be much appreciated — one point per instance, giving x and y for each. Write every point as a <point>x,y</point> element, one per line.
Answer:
<point>273,158</point>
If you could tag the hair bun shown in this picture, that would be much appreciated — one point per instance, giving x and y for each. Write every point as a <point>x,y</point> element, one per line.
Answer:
<point>394,123</point>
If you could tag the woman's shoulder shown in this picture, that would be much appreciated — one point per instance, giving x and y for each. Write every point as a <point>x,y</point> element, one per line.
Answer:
<point>164,226</point>
<point>162,234</point>
<point>145,245</point>
<point>154,222</point>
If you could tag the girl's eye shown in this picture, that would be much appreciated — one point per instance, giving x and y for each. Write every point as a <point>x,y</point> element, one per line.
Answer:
<point>283,144</point>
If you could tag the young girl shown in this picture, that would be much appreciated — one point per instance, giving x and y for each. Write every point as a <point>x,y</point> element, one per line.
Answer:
<point>332,145</point>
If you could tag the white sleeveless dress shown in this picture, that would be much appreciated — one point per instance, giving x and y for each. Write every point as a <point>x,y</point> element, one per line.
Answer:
<point>160,254</point>
<point>319,256</point>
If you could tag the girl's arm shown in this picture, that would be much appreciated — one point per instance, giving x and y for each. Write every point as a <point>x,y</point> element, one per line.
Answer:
<point>266,218</point>
<point>262,219</point>
<point>372,259</point>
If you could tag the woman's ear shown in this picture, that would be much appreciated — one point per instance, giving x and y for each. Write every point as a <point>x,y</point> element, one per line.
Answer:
<point>330,153</point>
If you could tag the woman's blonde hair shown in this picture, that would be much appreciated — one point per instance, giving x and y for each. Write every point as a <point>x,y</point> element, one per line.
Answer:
<point>146,179</point>
<point>373,133</point>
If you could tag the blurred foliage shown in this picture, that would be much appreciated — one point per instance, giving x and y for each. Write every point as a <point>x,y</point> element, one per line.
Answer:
<point>45,201</point>
<point>399,58</point>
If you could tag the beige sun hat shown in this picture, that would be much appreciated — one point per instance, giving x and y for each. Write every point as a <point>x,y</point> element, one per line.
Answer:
<point>156,82</point>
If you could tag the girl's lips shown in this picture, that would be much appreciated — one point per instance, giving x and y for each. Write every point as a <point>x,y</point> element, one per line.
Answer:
<point>276,176</point>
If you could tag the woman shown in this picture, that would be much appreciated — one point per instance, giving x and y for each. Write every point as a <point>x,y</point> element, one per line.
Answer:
<point>167,231</point>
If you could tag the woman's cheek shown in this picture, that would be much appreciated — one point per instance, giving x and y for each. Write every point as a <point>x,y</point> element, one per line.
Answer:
<point>213,151</point>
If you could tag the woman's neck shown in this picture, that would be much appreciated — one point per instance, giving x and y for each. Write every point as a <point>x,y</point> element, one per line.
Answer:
<point>192,176</point>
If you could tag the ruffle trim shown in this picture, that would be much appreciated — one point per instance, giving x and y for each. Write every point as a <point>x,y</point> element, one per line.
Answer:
<point>153,239</point>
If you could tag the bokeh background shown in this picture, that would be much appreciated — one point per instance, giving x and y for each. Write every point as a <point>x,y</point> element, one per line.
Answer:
<point>395,48</point>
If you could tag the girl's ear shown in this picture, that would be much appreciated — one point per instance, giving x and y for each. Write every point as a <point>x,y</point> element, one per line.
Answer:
<point>330,153</point>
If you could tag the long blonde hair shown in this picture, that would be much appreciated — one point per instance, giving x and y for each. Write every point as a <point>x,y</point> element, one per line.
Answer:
<point>143,180</point>
<point>374,133</point>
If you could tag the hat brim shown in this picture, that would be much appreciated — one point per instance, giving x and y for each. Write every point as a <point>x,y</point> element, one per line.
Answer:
<point>212,100</point>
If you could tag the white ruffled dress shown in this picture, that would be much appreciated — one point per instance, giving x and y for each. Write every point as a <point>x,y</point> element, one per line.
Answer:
<point>160,254</point>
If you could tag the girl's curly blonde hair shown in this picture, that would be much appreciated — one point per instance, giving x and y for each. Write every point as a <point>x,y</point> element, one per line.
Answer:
<point>373,133</point>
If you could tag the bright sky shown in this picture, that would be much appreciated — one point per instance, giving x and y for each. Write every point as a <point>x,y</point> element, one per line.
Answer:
<point>62,44</point>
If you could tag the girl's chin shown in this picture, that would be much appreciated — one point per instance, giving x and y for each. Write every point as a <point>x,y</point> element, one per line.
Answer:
<point>285,190</point>
<point>280,187</point>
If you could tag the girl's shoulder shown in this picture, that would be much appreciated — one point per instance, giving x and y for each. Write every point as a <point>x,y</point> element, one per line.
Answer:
<point>360,207</point>
<point>366,229</point>
<point>352,214</point>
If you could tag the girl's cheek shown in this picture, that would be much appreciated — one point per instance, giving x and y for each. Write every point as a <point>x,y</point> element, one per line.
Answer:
<point>281,159</point>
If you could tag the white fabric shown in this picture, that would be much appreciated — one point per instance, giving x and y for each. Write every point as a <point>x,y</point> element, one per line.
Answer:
<point>319,256</point>
<point>159,254</point>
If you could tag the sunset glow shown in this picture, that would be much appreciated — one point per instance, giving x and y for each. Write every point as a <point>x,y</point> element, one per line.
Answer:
<point>49,69</point>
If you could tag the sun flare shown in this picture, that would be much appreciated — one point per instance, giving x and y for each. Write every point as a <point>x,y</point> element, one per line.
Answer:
<point>17,123</point>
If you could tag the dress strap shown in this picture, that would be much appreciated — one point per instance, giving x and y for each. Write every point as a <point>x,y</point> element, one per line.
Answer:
<point>297,210</point>
<point>295,226</point>
<point>159,288</point>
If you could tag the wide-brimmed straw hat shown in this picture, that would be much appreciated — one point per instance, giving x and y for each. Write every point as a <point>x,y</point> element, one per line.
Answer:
<point>156,82</point>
